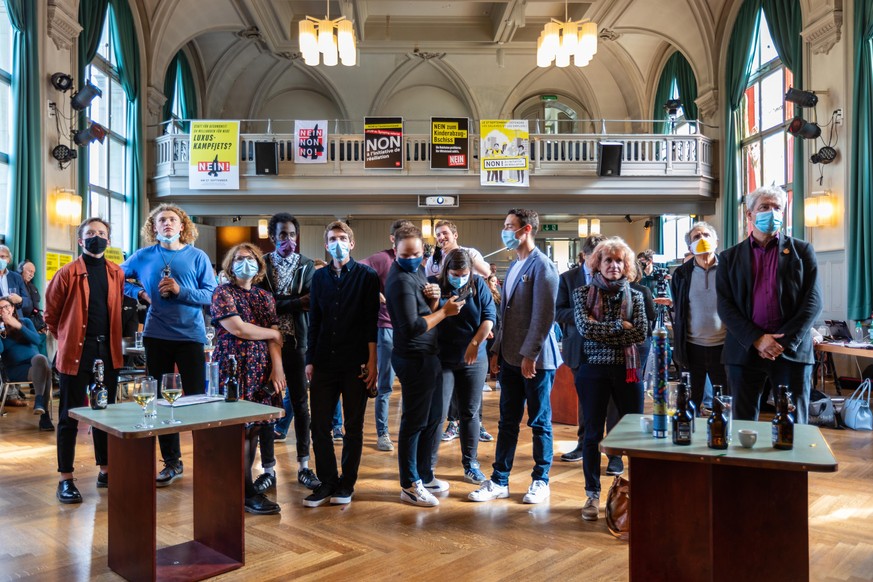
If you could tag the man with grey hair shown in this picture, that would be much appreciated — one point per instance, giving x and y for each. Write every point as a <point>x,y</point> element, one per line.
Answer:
<point>698,331</point>
<point>12,285</point>
<point>768,298</point>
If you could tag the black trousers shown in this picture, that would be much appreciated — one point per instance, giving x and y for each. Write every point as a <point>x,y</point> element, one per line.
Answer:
<point>165,357</point>
<point>324,393</point>
<point>296,401</point>
<point>74,392</point>
<point>703,361</point>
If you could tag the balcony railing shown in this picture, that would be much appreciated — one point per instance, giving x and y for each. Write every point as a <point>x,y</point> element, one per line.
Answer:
<point>550,155</point>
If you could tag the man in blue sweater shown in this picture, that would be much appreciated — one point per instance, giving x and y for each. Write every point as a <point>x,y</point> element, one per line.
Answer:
<point>177,282</point>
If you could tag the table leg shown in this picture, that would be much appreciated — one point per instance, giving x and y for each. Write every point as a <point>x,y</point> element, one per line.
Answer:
<point>131,515</point>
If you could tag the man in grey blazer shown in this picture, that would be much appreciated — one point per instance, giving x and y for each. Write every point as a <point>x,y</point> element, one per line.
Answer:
<point>527,351</point>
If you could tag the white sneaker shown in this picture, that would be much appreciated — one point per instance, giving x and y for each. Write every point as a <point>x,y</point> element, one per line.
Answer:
<point>537,493</point>
<point>418,495</point>
<point>497,384</point>
<point>437,485</point>
<point>383,443</point>
<point>486,387</point>
<point>488,491</point>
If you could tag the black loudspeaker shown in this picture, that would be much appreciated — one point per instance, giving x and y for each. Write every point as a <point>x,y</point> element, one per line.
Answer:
<point>266,158</point>
<point>609,154</point>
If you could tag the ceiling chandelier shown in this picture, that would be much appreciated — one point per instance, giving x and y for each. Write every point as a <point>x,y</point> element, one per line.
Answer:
<point>330,38</point>
<point>561,40</point>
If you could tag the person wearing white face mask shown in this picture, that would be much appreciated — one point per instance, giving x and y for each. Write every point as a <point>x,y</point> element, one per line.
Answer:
<point>248,329</point>
<point>698,331</point>
<point>177,281</point>
<point>769,296</point>
<point>12,285</point>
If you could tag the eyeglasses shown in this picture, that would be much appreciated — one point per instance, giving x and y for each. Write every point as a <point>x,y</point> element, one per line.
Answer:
<point>6,307</point>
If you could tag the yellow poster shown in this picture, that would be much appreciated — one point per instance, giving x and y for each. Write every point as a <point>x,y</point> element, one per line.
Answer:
<point>504,152</point>
<point>53,263</point>
<point>114,254</point>
<point>213,155</point>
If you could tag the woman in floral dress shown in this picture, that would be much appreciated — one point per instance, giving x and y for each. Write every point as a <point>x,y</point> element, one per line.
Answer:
<point>245,317</point>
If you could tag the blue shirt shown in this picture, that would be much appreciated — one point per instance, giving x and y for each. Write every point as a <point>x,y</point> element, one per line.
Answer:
<point>18,349</point>
<point>454,333</point>
<point>178,318</point>
<point>343,311</point>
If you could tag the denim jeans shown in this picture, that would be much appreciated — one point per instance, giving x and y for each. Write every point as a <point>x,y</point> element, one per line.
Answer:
<point>705,361</point>
<point>324,394</point>
<point>384,347</point>
<point>515,389</point>
<point>463,384</point>
<point>421,415</point>
<point>747,386</point>
<point>295,402</point>
<point>598,384</point>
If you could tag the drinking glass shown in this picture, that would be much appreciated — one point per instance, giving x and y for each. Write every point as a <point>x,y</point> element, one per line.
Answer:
<point>144,391</point>
<point>210,333</point>
<point>137,340</point>
<point>171,389</point>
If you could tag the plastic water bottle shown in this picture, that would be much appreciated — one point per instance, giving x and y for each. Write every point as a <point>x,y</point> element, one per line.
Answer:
<point>859,332</point>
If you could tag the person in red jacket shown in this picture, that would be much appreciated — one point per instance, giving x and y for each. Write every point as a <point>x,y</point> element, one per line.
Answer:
<point>83,311</point>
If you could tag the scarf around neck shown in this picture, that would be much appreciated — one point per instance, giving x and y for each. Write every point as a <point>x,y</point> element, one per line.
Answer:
<point>594,303</point>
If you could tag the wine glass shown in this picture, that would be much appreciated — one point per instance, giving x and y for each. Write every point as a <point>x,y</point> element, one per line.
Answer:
<point>210,333</point>
<point>144,391</point>
<point>171,389</point>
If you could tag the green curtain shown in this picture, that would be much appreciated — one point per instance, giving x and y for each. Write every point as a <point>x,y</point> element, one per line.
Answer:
<point>180,70</point>
<point>170,89</point>
<point>737,70</point>
<point>124,39</point>
<point>658,234</point>
<point>26,199</point>
<point>785,22</point>
<point>677,68</point>
<point>860,191</point>
<point>92,13</point>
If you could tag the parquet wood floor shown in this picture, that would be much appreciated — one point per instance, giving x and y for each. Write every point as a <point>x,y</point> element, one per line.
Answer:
<point>379,538</point>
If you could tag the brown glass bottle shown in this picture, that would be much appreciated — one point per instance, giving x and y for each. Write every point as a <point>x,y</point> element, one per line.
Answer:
<point>716,427</point>
<point>683,421</point>
<point>782,428</point>
<point>231,386</point>
<point>98,397</point>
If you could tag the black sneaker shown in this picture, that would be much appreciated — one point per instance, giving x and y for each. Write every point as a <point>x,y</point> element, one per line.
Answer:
<point>572,456</point>
<point>337,434</point>
<point>320,496</point>
<point>279,436</point>
<point>45,423</point>
<point>102,480</point>
<point>307,478</point>
<point>615,466</point>
<point>265,482</point>
<point>342,496</point>
<point>68,493</point>
<point>169,474</point>
<point>260,505</point>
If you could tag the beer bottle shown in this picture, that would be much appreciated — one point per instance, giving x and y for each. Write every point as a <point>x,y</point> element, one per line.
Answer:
<point>692,408</point>
<point>97,395</point>
<point>682,419</point>
<point>231,386</point>
<point>782,430</point>
<point>716,426</point>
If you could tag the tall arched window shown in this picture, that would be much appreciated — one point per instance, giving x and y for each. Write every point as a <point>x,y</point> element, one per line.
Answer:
<point>767,150</point>
<point>5,109</point>
<point>554,114</point>
<point>108,196</point>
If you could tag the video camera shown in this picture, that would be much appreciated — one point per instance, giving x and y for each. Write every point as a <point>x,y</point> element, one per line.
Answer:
<point>661,276</point>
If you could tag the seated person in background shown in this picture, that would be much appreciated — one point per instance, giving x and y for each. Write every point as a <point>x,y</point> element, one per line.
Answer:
<point>27,270</point>
<point>12,285</point>
<point>19,344</point>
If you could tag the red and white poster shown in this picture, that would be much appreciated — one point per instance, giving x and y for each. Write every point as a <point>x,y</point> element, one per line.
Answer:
<point>310,141</point>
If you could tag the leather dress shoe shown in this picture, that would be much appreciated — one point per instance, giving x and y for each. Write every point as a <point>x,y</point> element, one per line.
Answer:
<point>260,505</point>
<point>68,493</point>
<point>102,480</point>
<point>572,456</point>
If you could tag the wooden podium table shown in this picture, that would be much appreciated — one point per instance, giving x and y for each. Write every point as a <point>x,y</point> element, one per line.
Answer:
<point>219,524</point>
<point>701,514</point>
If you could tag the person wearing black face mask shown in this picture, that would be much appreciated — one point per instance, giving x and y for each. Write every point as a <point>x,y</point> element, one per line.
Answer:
<point>84,335</point>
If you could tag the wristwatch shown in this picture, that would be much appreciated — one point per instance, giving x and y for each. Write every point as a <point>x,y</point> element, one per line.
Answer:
<point>475,343</point>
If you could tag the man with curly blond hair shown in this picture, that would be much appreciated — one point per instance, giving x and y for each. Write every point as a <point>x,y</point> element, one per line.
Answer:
<point>176,281</point>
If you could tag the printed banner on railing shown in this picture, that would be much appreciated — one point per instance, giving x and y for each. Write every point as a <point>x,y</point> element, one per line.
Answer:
<point>503,151</point>
<point>311,141</point>
<point>383,142</point>
<point>213,155</point>
<point>449,143</point>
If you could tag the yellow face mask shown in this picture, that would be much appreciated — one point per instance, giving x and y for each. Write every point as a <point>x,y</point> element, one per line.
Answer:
<point>703,246</point>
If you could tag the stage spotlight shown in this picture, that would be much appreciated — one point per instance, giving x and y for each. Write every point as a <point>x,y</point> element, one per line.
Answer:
<point>799,127</point>
<point>825,156</point>
<point>62,82</point>
<point>87,136</point>
<point>628,218</point>
<point>83,98</point>
<point>63,154</point>
<point>801,98</point>
<point>647,224</point>
<point>672,107</point>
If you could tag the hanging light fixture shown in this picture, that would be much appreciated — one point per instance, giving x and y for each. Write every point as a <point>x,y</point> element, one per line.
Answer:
<point>595,226</point>
<point>559,41</point>
<point>262,228</point>
<point>583,228</point>
<point>333,40</point>
<point>426,231</point>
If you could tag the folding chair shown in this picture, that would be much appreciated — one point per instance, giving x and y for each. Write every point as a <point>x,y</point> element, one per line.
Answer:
<point>6,384</point>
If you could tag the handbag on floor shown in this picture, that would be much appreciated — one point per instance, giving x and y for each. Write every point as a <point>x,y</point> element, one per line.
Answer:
<point>618,508</point>
<point>856,410</point>
<point>821,410</point>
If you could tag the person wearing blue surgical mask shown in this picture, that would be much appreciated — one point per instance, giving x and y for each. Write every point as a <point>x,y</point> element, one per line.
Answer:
<point>463,356</point>
<point>415,313</point>
<point>244,316</point>
<point>768,296</point>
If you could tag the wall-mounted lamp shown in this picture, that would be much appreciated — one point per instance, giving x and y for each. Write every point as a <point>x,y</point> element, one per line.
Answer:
<point>583,228</point>
<point>818,209</point>
<point>595,226</point>
<point>426,231</point>
<point>262,228</point>
<point>67,206</point>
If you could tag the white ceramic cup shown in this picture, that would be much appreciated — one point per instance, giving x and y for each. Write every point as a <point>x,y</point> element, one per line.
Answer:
<point>748,437</point>
<point>646,424</point>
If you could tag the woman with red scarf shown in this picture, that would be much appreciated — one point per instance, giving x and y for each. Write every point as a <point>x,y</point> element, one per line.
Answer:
<point>611,318</point>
